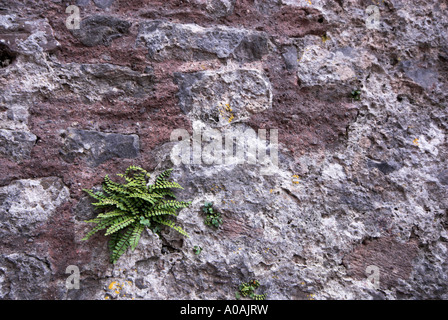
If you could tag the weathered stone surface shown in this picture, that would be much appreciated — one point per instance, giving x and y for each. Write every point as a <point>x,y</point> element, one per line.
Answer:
<point>359,183</point>
<point>101,30</point>
<point>98,147</point>
<point>96,81</point>
<point>14,117</point>
<point>23,277</point>
<point>103,4</point>
<point>7,56</point>
<point>27,204</point>
<point>190,42</point>
<point>222,97</point>
<point>220,8</point>
<point>82,3</point>
<point>16,145</point>
<point>19,34</point>
<point>320,67</point>
<point>394,260</point>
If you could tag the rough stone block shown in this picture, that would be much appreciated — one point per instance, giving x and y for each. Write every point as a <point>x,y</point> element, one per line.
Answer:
<point>224,96</point>
<point>101,30</point>
<point>16,145</point>
<point>27,204</point>
<point>166,40</point>
<point>98,147</point>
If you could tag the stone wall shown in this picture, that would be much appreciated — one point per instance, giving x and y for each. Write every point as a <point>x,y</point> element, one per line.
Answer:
<point>355,208</point>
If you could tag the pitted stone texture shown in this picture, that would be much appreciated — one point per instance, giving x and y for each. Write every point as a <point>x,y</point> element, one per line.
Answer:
<point>14,117</point>
<point>394,260</point>
<point>318,66</point>
<point>101,30</point>
<point>25,35</point>
<point>166,40</point>
<point>97,81</point>
<point>98,147</point>
<point>26,205</point>
<point>23,277</point>
<point>103,4</point>
<point>372,180</point>
<point>220,8</point>
<point>16,145</point>
<point>223,97</point>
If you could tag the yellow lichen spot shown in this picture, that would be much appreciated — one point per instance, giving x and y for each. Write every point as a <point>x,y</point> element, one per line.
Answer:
<point>270,191</point>
<point>106,298</point>
<point>415,141</point>
<point>295,179</point>
<point>311,296</point>
<point>112,284</point>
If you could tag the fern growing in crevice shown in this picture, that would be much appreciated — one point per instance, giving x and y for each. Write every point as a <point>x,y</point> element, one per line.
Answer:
<point>212,217</point>
<point>127,209</point>
<point>247,289</point>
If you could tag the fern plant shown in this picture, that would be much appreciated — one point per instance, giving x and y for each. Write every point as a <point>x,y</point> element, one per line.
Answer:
<point>127,209</point>
<point>197,250</point>
<point>212,218</point>
<point>356,95</point>
<point>248,289</point>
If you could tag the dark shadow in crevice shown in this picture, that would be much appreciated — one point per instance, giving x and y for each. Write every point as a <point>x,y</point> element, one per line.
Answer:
<point>7,56</point>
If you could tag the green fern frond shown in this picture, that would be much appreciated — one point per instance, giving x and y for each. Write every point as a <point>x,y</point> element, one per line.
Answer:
<point>96,195</point>
<point>113,213</point>
<point>173,204</point>
<point>112,187</point>
<point>163,192</point>
<point>247,289</point>
<point>166,184</point>
<point>153,213</point>
<point>113,240</point>
<point>147,197</point>
<point>103,224</point>
<point>135,168</point>
<point>163,176</point>
<point>119,223</point>
<point>110,202</point>
<point>171,224</point>
<point>121,245</point>
<point>136,234</point>
<point>131,207</point>
<point>260,296</point>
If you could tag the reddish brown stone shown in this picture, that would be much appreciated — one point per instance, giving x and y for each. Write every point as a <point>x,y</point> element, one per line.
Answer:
<point>307,118</point>
<point>394,259</point>
<point>234,228</point>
